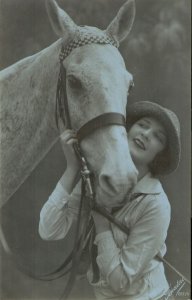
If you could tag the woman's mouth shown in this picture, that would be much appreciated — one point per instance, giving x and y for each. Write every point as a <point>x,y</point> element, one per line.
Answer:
<point>139,143</point>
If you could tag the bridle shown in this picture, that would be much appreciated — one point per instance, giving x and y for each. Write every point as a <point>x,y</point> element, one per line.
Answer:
<point>105,119</point>
<point>62,105</point>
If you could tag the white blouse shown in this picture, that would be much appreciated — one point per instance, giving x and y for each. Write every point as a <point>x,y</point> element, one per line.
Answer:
<point>140,275</point>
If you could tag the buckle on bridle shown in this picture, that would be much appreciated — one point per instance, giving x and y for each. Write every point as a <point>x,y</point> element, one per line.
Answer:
<point>86,176</point>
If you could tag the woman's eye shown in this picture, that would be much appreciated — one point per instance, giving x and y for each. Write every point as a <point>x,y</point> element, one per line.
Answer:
<point>160,138</point>
<point>74,82</point>
<point>142,125</point>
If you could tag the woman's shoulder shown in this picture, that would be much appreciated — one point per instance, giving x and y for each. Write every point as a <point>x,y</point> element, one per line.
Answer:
<point>152,187</point>
<point>155,197</point>
<point>158,202</point>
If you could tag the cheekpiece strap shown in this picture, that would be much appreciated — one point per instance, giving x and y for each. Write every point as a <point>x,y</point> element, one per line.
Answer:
<point>86,40</point>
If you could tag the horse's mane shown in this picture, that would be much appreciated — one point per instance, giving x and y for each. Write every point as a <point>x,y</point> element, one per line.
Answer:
<point>27,114</point>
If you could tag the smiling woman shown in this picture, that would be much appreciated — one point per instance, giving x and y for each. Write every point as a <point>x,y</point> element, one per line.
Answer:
<point>160,127</point>
<point>147,139</point>
<point>122,264</point>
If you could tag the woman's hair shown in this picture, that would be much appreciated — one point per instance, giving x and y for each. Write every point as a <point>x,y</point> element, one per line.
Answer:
<point>160,162</point>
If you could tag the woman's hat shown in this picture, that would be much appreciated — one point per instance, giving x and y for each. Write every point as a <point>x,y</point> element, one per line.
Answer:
<point>171,157</point>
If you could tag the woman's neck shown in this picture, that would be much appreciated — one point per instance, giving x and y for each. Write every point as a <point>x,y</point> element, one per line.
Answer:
<point>143,170</point>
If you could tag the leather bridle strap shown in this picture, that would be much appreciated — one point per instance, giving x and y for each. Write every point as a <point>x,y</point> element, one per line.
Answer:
<point>105,119</point>
<point>61,107</point>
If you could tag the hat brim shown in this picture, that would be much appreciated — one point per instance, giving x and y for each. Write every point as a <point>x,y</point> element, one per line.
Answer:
<point>142,109</point>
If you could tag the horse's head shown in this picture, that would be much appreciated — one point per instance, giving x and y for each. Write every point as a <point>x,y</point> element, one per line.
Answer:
<point>97,82</point>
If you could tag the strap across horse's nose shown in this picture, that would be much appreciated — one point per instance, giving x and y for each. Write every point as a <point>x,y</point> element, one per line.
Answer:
<point>105,119</point>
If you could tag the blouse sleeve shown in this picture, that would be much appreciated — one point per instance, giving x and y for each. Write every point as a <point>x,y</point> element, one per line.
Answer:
<point>122,266</point>
<point>58,213</point>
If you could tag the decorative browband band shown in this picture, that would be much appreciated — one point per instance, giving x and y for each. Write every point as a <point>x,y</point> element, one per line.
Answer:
<point>86,40</point>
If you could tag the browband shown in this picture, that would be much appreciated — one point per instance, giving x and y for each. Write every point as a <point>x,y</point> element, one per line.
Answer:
<point>105,119</point>
<point>86,39</point>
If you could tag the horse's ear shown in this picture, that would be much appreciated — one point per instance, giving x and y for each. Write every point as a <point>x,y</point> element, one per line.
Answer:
<point>121,25</point>
<point>62,24</point>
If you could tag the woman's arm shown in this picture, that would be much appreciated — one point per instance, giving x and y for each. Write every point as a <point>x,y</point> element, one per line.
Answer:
<point>121,267</point>
<point>59,212</point>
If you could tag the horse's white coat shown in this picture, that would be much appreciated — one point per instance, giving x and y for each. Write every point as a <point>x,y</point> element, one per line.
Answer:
<point>26,115</point>
<point>28,103</point>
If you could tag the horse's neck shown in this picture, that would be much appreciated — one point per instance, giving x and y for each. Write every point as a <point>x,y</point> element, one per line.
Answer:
<point>27,115</point>
<point>26,85</point>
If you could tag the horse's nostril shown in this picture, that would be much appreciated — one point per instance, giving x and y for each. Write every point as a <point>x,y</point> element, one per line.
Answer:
<point>108,184</point>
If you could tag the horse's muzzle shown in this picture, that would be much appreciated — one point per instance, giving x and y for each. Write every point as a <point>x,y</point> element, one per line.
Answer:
<point>113,188</point>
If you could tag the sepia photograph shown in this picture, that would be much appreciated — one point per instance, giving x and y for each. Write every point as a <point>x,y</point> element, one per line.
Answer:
<point>95,149</point>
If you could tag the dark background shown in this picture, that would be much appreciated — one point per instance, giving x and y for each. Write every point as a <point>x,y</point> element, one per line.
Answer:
<point>157,53</point>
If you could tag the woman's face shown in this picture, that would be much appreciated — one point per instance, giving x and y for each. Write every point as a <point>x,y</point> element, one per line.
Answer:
<point>146,138</point>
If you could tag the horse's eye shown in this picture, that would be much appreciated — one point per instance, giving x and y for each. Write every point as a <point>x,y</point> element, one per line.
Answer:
<point>74,82</point>
<point>131,85</point>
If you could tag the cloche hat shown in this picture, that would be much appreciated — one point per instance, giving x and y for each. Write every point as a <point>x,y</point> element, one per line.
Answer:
<point>171,156</point>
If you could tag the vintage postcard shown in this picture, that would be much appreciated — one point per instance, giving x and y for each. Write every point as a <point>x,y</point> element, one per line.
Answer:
<point>95,149</point>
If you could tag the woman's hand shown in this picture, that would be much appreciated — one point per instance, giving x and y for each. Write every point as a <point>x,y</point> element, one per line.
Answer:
<point>101,223</point>
<point>68,138</point>
<point>71,174</point>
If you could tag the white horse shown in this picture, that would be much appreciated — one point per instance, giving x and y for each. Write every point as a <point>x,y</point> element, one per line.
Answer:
<point>97,82</point>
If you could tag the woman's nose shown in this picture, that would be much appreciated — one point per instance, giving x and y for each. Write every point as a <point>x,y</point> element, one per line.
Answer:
<point>146,134</point>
